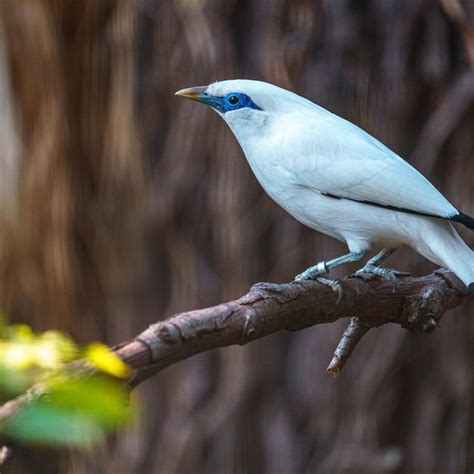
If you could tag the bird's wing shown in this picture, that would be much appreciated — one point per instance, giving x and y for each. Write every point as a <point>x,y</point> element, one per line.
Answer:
<point>335,157</point>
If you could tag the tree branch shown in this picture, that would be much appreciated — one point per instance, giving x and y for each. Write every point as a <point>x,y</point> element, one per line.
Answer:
<point>352,335</point>
<point>415,304</point>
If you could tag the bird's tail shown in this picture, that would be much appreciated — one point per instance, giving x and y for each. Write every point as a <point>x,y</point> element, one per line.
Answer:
<point>445,247</point>
<point>464,219</point>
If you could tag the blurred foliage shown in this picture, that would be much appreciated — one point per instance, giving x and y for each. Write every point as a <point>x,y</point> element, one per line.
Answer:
<point>73,410</point>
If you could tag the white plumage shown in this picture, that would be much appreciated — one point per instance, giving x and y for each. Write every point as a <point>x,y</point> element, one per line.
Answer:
<point>337,179</point>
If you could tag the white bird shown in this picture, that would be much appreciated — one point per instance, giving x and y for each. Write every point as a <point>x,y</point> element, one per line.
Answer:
<point>337,179</point>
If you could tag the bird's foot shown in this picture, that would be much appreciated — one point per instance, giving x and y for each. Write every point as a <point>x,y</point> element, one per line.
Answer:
<point>334,284</point>
<point>386,273</point>
<point>312,273</point>
<point>316,273</point>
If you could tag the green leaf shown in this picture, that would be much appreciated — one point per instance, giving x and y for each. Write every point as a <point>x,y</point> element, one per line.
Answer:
<point>47,424</point>
<point>101,397</point>
<point>14,382</point>
<point>75,412</point>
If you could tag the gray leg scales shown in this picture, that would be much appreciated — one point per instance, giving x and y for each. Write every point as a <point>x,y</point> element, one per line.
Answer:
<point>313,272</point>
<point>322,268</point>
<point>317,271</point>
<point>372,268</point>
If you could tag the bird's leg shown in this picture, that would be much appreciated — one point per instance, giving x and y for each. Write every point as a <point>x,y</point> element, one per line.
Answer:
<point>372,267</point>
<point>322,268</point>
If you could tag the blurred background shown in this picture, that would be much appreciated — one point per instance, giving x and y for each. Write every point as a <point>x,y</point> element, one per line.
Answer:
<point>121,204</point>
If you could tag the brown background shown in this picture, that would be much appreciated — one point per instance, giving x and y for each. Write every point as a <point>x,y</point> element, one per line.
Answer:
<point>121,204</point>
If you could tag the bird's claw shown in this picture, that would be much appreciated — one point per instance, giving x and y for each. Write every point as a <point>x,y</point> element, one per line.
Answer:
<point>386,273</point>
<point>334,284</point>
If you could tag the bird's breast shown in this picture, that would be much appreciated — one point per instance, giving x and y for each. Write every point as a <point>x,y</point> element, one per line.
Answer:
<point>273,177</point>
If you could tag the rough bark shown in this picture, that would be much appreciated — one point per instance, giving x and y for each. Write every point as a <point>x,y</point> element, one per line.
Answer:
<point>416,304</point>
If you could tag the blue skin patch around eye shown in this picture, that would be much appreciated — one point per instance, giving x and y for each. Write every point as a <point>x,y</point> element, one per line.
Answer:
<point>232,101</point>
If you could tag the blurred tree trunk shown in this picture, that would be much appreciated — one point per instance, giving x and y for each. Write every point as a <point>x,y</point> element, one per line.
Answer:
<point>121,199</point>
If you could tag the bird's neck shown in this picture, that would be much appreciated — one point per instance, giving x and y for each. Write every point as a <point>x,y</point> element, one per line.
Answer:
<point>257,138</point>
<point>247,124</point>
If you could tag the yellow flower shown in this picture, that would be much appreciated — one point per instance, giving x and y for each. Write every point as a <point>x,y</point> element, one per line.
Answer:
<point>16,355</point>
<point>104,359</point>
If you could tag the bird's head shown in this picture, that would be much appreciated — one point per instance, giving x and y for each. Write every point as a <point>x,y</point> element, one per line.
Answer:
<point>246,105</point>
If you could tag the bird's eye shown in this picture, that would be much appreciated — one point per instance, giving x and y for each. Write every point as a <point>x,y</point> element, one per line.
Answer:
<point>233,99</point>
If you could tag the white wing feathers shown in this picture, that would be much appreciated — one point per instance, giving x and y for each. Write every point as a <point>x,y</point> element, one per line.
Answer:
<point>338,158</point>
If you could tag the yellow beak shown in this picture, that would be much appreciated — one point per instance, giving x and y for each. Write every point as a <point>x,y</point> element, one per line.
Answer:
<point>193,93</point>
